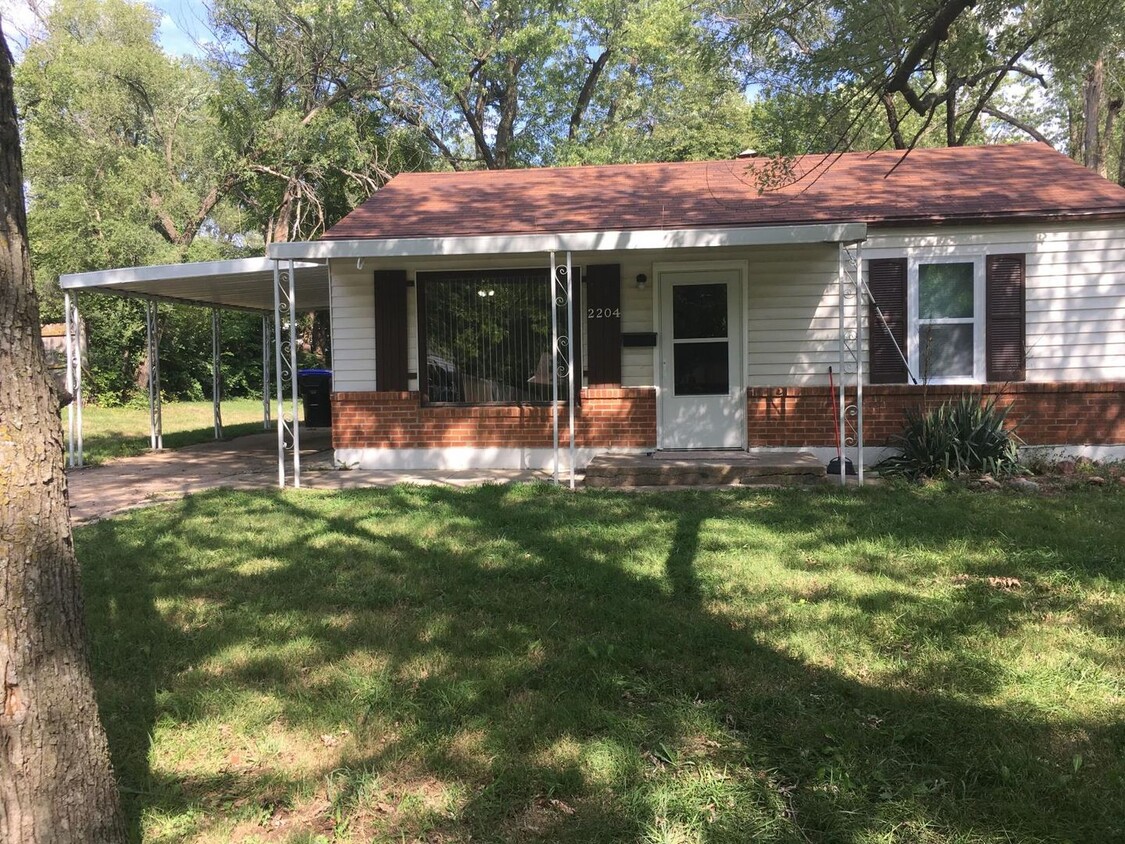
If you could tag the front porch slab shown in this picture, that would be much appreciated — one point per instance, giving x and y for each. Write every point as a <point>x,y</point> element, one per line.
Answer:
<point>704,468</point>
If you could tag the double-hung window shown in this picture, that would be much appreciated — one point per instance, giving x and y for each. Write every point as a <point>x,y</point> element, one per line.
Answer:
<point>946,319</point>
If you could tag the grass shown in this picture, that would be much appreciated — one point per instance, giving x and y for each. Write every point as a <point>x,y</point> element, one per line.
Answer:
<point>110,432</point>
<point>523,664</point>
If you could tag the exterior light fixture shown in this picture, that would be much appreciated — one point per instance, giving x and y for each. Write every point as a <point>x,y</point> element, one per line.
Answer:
<point>642,281</point>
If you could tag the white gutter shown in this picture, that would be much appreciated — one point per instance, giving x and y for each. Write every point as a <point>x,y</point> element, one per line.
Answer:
<point>604,241</point>
<point>168,272</point>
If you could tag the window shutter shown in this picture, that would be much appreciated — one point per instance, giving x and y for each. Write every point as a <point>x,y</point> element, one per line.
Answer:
<point>603,331</point>
<point>1004,330</point>
<point>886,278</point>
<point>390,331</point>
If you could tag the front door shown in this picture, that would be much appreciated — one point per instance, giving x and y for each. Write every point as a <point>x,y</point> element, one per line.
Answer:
<point>702,399</point>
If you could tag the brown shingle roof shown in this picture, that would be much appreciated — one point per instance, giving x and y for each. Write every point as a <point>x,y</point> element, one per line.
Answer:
<point>930,185</point>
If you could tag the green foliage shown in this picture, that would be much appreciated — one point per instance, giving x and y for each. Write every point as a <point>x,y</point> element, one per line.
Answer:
<point>963,436</point>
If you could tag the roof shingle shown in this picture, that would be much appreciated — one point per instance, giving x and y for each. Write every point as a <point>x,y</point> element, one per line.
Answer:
<point>928,186</point>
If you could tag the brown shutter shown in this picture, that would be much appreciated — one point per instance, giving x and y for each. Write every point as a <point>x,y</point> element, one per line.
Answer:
<point>603,329</point>
<point>1005,358</point>
<point>390,331</point>
<point>886,279</point>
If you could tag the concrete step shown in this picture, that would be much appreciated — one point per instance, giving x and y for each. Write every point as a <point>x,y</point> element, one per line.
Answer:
<point>703,468</point>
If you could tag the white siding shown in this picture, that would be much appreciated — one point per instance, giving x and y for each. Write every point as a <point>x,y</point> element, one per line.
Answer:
<point>353,327</point>
<point>1075,289</point>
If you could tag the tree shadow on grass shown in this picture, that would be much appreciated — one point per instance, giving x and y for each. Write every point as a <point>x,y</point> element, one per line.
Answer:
<point>551,663</point>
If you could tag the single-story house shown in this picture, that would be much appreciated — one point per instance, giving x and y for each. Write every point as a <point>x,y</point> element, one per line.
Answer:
<point>711,299</point>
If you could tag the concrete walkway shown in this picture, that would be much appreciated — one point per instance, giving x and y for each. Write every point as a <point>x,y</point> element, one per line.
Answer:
<point>244,463</point>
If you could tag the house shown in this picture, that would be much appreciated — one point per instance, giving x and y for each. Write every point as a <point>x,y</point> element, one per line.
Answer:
<point>711,299</point>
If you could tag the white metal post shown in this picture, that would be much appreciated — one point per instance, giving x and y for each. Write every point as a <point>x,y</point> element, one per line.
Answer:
<point>265,372</point>
<point>293,374</point>
<point>860,306</point>
<point>216,372</point>
<point>554,362</point>
<point>570,360</point>
<point>156,432</point>
<point>277,370</point>
<point>841,404</point>
<point>78,396</point>
<point>69,383</point>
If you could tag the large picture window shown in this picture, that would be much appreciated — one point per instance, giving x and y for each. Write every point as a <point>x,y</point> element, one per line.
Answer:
<point>485,337</point>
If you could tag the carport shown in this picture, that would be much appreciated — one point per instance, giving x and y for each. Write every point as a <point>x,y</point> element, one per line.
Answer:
<point>256,285</point>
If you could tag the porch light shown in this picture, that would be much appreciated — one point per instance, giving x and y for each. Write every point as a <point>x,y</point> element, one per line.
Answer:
<point>642,281</point>
<point>484,293</point>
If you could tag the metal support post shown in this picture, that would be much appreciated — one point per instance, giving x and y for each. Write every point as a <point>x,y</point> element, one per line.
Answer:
<point>293,374</point>
<point>69,382</point>
<point>841,403</point>
<point>277,343</point>
<point>554,362</point>
<point>217,372</point>
<point>79,398</point>
<point>156,428</point>
<point>265,372</point>
<point>570,361</point>
<point>860,302</point>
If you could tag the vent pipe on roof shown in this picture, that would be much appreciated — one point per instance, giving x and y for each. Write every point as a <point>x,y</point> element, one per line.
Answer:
<point>748,153</point>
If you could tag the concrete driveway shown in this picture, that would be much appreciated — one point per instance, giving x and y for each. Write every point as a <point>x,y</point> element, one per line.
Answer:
<point>243,463</point>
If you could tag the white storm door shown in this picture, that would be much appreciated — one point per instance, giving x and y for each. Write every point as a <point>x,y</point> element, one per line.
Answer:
<point>702,397</point>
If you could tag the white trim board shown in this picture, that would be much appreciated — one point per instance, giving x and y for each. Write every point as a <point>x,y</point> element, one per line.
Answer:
<point>605,241</point>
<point>469,457</point>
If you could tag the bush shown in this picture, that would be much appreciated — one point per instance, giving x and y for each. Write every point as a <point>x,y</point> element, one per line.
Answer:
<point>961,436</point>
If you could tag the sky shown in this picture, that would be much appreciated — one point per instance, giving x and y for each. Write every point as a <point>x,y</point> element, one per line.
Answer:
<point>183,23</point>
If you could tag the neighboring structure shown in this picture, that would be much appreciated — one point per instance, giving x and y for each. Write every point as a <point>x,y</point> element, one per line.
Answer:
<point>711,303</point>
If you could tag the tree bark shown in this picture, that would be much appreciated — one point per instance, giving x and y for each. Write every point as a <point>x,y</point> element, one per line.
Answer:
<point>56,784</point>
<point>1092,92</point>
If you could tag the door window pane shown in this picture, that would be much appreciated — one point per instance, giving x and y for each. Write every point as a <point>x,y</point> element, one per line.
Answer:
<point>945,291</point>
<point>702,369</point>
<point>699,311</point>
<point>947,351</point>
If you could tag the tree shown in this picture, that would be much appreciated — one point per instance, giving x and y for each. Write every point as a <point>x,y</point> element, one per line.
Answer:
<point>932,72</point>
<point>505,83</point>
<point>56,784</point>
<point>297,102</point>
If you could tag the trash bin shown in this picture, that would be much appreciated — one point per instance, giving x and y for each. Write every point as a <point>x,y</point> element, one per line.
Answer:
<point>315,388</point>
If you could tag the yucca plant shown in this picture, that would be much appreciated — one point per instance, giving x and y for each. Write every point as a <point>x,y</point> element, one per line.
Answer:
<point>961,436</point>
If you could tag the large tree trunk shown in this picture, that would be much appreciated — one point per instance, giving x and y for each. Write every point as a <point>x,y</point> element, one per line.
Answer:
<point>56,785</point>
<point>1093,91</point>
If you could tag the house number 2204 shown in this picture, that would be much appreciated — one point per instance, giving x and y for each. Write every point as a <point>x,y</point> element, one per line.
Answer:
<point>603,313</point>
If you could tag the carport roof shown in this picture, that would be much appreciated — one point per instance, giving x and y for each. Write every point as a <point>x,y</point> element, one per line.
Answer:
<point>243,284</point>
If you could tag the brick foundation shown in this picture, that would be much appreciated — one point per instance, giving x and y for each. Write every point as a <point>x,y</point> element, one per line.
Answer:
<point>606,417</point>
<point>1083,413</point>
<point>1080,413</point>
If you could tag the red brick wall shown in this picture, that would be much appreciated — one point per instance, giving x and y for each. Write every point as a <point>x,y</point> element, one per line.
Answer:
<point>606,417</point>
<point>1081,413</point>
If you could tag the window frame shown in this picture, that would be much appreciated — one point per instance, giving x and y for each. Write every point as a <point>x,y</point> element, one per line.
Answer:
<point>914,323</point>
<point>500,275</point>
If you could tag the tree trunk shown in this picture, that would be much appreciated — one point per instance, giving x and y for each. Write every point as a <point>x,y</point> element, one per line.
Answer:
<point>1093,91</point>
<point>1121,161</point>
<point>56,785</point>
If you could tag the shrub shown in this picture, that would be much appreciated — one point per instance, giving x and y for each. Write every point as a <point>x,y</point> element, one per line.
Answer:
<point>961,436</point>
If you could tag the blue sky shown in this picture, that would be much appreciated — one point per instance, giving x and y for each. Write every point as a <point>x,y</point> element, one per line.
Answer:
<point>183,23</point>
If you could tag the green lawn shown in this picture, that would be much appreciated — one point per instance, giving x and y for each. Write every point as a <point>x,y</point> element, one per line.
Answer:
<point>524,664</point>
<point>110,432</point>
